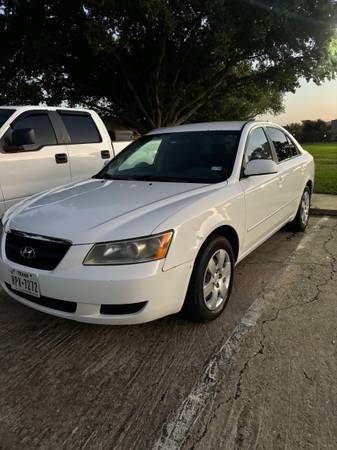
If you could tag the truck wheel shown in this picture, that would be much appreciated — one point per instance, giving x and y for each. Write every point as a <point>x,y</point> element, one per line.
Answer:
<point>211,281</point>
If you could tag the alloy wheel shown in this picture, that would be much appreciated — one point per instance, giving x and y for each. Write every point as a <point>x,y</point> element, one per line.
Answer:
<point>217,279</point>
<point>305,207</point>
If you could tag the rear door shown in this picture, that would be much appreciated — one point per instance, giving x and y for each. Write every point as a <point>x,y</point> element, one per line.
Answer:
<point>262,192</point>
<point>88,147</point>
<point>32,168</point>
<point>291,173</point>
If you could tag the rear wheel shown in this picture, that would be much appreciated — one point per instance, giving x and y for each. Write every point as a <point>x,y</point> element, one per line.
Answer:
<point>302,217</point>
<point>211,281</point>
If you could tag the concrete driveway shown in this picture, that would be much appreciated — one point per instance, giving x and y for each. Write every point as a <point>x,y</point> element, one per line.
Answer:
<point>65,385</point>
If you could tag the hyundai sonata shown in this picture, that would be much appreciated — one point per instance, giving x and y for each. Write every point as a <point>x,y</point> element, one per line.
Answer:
<point>160,228</point>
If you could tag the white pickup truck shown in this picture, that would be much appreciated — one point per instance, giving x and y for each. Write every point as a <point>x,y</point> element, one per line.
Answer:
<point>42,147</point>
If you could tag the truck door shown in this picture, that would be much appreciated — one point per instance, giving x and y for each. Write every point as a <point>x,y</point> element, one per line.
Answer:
<point>28,169</point>
<point>89,143</point>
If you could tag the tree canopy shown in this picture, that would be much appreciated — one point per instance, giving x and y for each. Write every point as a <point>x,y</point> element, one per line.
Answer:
<point>311,130</point>
<point>151,63</point>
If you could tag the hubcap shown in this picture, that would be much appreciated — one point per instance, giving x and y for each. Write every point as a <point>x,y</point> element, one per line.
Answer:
<point>216,279</point>
<point>305,207</point>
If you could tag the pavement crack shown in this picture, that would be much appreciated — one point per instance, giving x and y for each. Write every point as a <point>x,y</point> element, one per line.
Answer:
<point>307,376</point>
<point>332,257</point>
<point>201,398</point>
<point>237,393</point>
<point>244,368</point>
<point>210,419</point>
<point>318,286</point>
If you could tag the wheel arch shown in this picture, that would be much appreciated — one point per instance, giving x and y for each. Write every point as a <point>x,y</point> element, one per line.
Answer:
<point>229,233</point>
<point>310,185</point>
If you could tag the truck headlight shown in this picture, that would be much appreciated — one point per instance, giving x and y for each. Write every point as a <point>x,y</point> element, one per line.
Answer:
<point>130,251</point>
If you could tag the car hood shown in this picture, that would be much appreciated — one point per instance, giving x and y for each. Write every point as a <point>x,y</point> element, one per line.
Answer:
<point>89,211</point>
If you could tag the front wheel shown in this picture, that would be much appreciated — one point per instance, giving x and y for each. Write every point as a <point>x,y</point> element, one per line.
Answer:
<point>211,281</point>
<point>302,217</point>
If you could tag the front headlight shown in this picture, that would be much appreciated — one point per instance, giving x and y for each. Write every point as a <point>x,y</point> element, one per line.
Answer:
<point>130,251</point>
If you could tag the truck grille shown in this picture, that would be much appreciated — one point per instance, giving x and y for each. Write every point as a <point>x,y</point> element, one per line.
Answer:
<point>38,252</point>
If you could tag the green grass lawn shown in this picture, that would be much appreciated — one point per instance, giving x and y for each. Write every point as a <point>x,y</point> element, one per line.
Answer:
<point>325,155</point>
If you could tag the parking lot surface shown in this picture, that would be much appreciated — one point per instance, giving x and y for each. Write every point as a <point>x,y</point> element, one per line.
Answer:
<point>65,385</point>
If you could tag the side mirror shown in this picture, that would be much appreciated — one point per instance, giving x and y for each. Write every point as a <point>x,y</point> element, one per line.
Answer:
<point>23,136</point>
<point>260,167</point>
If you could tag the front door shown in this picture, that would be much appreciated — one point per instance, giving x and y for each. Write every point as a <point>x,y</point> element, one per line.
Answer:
<point>33,168</point>
<point>262,192</point>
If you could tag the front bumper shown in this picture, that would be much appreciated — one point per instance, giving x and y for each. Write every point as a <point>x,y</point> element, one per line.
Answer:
<point>89,287</point>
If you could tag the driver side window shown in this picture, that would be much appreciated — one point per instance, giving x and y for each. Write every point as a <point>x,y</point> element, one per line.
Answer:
<point>40,123</point>
<point>258,146</point>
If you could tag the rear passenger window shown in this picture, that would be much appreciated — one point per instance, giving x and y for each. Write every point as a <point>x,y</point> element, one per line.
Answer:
<point>44,131</point>
<point>258,146</point>
<point>293,149</point>
<point>284,147</point>
<point>81,128</point>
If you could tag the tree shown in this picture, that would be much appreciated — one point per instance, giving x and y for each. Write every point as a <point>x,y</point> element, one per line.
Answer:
<point>310,130</point>
<point>152,63</point>
<point>315,131</point>
<point>296,129</point>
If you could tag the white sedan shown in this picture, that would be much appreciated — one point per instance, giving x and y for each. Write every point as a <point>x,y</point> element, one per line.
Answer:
<point>160,228</point>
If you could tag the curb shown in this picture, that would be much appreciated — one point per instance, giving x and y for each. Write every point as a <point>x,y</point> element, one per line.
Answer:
<point>323,212</point>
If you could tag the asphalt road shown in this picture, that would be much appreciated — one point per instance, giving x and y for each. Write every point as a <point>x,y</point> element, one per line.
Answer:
<point>278,389</point>
<point>65,385</point>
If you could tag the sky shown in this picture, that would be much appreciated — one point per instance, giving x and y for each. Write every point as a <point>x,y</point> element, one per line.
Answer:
<point>309,102</point>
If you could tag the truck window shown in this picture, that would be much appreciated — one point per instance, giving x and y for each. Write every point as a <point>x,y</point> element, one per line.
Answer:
<point>81,128</point>
<point>5,115</point>
<point>44,131</point>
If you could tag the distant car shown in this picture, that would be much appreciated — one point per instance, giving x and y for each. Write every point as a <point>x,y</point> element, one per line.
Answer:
<point>45,147</point>
<point>161,227</point>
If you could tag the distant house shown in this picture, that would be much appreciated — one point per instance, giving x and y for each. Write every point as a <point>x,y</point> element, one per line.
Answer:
<point>334,130</point>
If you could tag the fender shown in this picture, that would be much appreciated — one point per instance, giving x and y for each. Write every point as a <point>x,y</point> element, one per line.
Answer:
<point>194,228</point>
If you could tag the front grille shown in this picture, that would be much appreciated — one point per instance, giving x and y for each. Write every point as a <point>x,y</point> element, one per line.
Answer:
<point>47,302</point>
<point>35,251</point>
<point>130,308</point>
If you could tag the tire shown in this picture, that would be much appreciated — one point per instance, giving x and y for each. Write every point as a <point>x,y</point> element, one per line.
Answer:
<point>211,281</point>
<point>302,216</point>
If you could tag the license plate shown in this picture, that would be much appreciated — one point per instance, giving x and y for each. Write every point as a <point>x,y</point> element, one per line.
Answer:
<point>25,282</point>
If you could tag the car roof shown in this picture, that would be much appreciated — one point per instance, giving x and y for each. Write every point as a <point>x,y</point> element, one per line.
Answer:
<point>210,126</point>
<point>203,126</point>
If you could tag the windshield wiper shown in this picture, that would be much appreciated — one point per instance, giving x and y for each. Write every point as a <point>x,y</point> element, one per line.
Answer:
<point>112,177</point>
<point>106,176</point>
<point>150,178</point>
<point>158,178</point>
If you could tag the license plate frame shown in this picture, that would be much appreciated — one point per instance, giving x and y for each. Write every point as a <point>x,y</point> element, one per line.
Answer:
<point>25,282</point>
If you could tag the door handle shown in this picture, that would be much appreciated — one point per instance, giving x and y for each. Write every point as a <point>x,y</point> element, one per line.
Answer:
<point>61,158</point>
<point>105,154</point>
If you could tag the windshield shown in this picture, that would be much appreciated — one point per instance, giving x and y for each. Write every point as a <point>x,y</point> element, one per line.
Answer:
<point>190,157</point>
<point>5,114</point>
